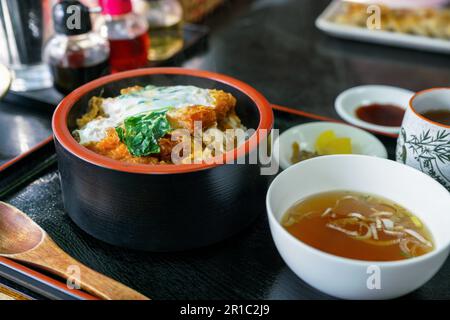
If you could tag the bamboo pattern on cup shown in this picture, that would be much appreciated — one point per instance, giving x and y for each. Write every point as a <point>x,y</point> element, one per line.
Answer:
<point>431,151</point>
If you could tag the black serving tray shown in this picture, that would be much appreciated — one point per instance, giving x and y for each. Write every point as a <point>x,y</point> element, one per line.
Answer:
<point>27,154</point>
<point>246,266</point>
<point>24,124</point>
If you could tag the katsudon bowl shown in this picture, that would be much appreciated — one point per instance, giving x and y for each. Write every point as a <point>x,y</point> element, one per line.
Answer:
<point>161,207</point>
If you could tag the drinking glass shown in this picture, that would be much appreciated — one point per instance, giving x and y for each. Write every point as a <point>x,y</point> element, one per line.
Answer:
<point>24,27</point>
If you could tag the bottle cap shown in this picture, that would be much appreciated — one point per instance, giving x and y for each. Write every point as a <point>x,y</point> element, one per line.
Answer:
<point>115,7</point>
<point>71,17</point>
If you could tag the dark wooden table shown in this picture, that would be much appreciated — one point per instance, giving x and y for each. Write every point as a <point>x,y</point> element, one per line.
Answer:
<point>275,47</point>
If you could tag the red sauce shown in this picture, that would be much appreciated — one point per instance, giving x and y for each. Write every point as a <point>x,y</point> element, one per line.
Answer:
<point>381,114</point>
<point>129,54</point>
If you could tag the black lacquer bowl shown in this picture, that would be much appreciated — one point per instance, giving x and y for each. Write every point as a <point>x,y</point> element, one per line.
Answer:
<point>160,207</point>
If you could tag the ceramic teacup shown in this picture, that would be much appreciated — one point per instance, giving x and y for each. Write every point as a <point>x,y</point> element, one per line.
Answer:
<point>425,144</point>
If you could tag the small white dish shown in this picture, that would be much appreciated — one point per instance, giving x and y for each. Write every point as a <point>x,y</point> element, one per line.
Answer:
<point>306,134</point>
<point>350,278</point>
<point>350,100</point>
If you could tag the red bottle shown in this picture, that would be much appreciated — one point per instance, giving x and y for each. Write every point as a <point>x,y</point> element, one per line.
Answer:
<point>127,34</point>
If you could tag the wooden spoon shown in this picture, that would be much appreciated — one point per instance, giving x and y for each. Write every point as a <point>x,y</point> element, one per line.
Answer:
<point>23,240</point>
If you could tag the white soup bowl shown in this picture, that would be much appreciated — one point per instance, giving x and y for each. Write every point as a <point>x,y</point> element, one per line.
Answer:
<point>358,279</point>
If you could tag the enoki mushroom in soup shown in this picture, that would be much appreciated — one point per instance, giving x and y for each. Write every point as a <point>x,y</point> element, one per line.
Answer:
<point>358,226</point>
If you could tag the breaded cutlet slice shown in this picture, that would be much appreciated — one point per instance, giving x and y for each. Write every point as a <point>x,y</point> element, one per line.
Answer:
<point>131,90</point>
<point>184,118</point>
<point>224,103</point>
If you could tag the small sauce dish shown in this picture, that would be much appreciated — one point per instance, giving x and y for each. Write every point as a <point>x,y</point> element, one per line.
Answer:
<point>306,134</point>
<point>349,101</point>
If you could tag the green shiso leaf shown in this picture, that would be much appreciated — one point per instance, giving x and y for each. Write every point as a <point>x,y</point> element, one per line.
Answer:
<point>141,133</point>
<point>120,133</point>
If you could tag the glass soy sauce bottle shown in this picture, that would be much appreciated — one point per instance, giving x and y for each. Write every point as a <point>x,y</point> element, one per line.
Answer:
<point>165,19</point>
<point>127,33</point>
<point>75,54</point>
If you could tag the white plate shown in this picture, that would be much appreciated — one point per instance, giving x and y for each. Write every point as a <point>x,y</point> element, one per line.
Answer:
<point>349,100</point>
<point>306,135</point>
<point>325,23</point>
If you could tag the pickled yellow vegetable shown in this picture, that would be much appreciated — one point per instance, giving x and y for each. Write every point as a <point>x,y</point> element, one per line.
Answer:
<point>327,143</point>
<point>323,140</point>
<point>338,146</point>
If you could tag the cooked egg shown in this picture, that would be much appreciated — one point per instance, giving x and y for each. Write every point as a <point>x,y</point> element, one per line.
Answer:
<point>145,100</point>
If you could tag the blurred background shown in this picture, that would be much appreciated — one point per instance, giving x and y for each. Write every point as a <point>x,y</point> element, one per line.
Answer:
<point>294,51</point>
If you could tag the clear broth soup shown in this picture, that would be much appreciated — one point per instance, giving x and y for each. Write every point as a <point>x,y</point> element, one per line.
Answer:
<point>358,226</point>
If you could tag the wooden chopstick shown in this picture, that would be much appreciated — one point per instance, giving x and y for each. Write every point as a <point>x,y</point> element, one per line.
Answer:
<point>324,118</point>
<point>7,293</point>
